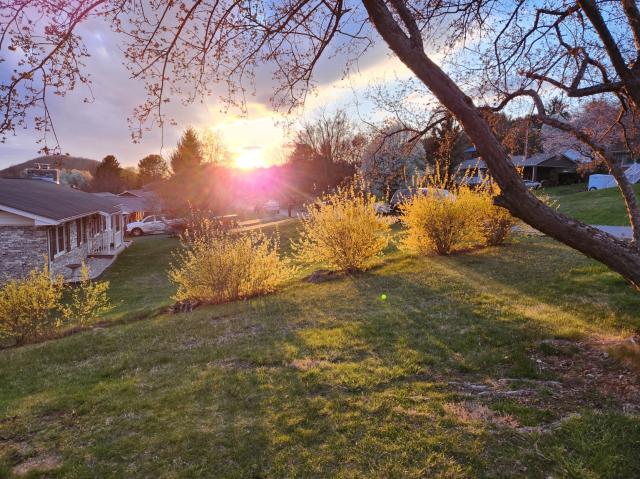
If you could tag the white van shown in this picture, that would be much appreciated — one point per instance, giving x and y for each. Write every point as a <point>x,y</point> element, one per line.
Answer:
<point>600,182</point>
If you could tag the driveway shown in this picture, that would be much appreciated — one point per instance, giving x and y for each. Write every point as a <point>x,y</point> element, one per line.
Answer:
<point>623,232</point>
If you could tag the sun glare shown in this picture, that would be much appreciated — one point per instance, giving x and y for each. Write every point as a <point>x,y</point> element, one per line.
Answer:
<point>250,159</point>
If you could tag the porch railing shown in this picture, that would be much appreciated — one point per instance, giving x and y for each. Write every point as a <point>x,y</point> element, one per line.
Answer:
<point>101,243</point>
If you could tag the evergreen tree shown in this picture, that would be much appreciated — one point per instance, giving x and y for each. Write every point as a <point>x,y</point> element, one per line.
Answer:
<point>444,147</point>
<point>152,168</point>
<point>187,156</point>
<point>108,176</point>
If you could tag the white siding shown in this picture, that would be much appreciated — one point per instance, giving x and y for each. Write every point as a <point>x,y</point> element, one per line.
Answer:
<point>11,219</point>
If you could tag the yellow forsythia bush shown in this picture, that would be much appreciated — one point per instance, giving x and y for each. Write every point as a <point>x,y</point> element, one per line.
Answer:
<point>440,222</point>
<point>494,223</point>
<point>30,308</point>
<point>220,268</point>
<point>343,232</point>
<point>88,300</point>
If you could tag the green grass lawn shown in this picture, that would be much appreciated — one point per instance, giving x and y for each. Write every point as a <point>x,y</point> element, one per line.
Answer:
<point>138,284</point>
<point>604,207</point>
<point>475,365</point>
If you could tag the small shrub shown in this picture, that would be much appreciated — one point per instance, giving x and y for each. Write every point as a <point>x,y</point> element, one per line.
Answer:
<point>343,232</point>
<point>439,223</point>
<point>30,308</point>
<point>494,222</point>
<point>219,268</point>
<point>88,300</point>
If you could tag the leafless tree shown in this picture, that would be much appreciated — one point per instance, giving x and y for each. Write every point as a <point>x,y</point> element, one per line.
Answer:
<point>528,49</point>
<point>332,138</point>
<point>214,150</point>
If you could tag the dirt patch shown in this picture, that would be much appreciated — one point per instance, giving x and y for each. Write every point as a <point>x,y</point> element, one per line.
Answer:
<point>590,375</point>
<point>231,363</point>
<point>470,411</point>
<point>306,364</point>
<point>42,463</point>
<point>595,374</point>
<point>323,275</point>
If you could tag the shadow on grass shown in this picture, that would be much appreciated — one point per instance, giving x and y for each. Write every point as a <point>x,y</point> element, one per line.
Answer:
<point>315,381</point>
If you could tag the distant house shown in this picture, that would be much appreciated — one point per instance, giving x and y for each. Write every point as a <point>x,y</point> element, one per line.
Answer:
<point>553,168</point>
<point>41,219</point>
<point>136,204</point>
<point>43,171</point>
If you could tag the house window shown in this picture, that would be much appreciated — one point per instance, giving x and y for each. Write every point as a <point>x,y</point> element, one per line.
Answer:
<point>60,238</point>
<point>56,240</point>
<point>52,243</point>
<point>78,232</point>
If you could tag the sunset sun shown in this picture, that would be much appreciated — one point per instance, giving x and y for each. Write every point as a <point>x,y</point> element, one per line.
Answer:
<point>250,158</point>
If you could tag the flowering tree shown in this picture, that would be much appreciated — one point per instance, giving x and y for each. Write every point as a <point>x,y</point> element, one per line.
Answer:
<point>525,50</point>
<point>598,119</point>
<point>392,160</point>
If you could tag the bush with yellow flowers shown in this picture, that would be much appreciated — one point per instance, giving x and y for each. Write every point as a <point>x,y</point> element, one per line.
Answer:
<point>343,232</point>
<point>439,220</point>
<point>34,307</point>
<point>494,223</point>
<point>88,300</point>
<point>30,308</point>
<point>215,268</point>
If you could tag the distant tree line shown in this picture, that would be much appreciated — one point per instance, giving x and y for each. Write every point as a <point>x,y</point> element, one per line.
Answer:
<point>325,152</point>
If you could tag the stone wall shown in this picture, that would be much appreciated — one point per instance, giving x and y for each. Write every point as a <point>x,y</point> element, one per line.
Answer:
<point>22,248</point>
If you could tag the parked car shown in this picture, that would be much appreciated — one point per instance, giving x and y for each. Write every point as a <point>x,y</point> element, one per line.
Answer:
<point>532,185</point>
<point>600,182</point>
<point>271,207</point>
<point>405,194</point>
<point>472,181</point>
<point>153,224</point>
<point>382,208</point>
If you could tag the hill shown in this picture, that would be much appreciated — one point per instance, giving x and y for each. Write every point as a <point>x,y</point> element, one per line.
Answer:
<point>58,161</point>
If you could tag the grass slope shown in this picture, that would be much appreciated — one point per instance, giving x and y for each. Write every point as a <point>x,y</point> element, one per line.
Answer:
<point>603,207</point>
<point>138,285</point>
<point>330,380</point>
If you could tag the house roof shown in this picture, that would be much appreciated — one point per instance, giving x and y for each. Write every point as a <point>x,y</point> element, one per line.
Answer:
<point>473,163</point>
<point>132,193</point>
<point>50,201</point>
<point>131,204</point>
<point>134,200</point>
<point>576,156</point>
<point>140,193</point>
<point>534,160</point>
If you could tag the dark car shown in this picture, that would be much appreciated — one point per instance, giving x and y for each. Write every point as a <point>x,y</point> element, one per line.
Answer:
<point>405,194</point>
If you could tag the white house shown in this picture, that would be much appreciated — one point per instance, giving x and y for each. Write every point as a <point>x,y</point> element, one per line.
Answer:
<point>40,219</point>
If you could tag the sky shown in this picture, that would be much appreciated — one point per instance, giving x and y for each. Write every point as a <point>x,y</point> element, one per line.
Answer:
<point>99,127</point>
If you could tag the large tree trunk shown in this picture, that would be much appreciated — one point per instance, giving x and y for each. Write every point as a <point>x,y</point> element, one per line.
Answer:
<point>621,256</point>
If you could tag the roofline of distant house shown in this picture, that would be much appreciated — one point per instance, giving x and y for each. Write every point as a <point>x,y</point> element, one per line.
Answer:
<point>44,221</point>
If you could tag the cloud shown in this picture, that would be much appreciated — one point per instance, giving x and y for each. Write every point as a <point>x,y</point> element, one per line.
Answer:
<point>99,127</point>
